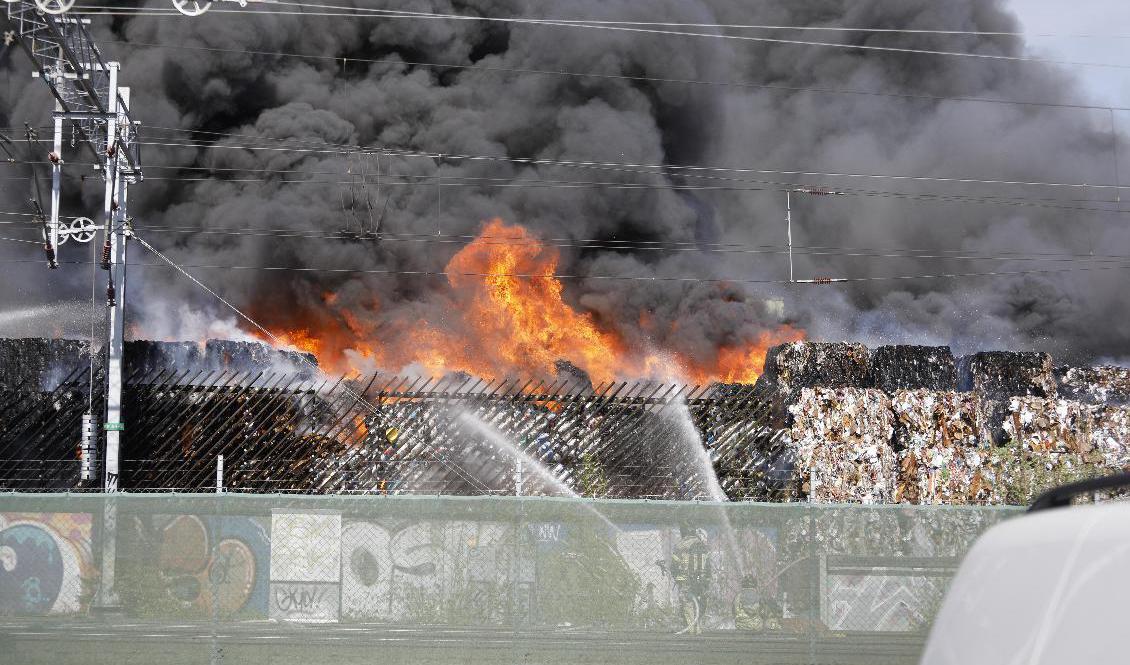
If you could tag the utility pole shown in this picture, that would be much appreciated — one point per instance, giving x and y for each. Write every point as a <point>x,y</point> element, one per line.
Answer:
<point>87,95</point>
<point>815,191</point>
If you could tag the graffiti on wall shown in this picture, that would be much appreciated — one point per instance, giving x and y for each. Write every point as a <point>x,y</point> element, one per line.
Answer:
<point>305,566</point>
<point>423,571</point>
<point>45,563</point>
<point>881,602</point>
<point>492,572</point>
<point>215,563</point>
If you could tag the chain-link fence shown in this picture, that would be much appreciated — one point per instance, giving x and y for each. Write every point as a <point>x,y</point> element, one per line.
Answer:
<point>293,432</point>
<point>280,579</point>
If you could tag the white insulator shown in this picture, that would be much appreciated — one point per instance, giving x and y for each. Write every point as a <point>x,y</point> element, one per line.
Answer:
<point>88,448</point>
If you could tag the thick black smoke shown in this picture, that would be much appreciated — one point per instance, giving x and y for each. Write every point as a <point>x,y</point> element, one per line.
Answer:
<point>333,97</point>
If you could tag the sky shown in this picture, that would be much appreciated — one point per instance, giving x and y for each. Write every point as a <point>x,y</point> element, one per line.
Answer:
<point>1105,85</point>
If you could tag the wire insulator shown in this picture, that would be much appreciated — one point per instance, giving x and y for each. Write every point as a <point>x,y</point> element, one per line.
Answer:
<point>106,250</point>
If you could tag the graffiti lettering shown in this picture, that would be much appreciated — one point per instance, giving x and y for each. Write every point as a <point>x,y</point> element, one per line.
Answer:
<point>298,599</point>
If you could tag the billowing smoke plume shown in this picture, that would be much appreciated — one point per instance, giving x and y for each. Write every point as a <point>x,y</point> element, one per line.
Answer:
<point>758,119</point>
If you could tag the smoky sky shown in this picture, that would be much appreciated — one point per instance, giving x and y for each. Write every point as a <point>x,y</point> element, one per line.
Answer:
<point>1071,304</point>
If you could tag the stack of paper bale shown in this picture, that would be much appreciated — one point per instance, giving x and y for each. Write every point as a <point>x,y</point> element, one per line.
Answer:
<point>1011,373</point>
<point>1110,437</point>
<point>840,440</point>
<point>941,443</point>
<point>1049,443</point>
<point>998,376</point>
<point>1094,385</point>
<point>1050,425</point>
<point>790,368</point>
<point>33,364</point>
<point>906,367</point>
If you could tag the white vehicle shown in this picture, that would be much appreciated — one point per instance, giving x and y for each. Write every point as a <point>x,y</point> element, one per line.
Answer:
<point>1048,588</point>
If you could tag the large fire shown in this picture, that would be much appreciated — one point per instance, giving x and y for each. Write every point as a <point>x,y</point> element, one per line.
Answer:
<point>508,318</point>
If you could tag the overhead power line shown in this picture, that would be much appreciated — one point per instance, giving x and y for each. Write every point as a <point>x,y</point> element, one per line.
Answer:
<point>656,246</point>
<point>478,67</point>
<point>691,171</point>
<point>686,170</point>
<point>633,278</point>
<point>736,26</point>
<point>752,185</point>
<point>315,10</point>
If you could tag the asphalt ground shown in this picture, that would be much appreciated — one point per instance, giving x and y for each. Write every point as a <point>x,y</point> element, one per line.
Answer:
<point>112,641</point>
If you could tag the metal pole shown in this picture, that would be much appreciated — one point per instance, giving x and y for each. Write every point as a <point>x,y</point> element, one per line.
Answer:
<point>114,213</point>
<point>56,181</point>
<point>789,223</point>
<point>1114,145</point>
<point>219,474</point>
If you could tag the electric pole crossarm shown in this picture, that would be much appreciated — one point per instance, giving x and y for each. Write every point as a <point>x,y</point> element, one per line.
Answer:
<point>66,57</point>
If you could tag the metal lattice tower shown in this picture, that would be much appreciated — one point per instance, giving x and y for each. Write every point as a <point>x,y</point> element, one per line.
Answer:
<point>87,95</point>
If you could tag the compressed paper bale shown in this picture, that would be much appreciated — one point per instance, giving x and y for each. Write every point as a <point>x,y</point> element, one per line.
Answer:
<point>790,368</point>
<point>941,443</point>
<point>40,364</point>
<point>1050,442</point>
<point>146,358</point>
<point>1052,425</point>
<point>906,367</point>
<point>999,374</point>
<point>576,378</point>
<point>1094,385</point>
<point>1111,436</point>
<point>840,440</point>
<point>247,356</point>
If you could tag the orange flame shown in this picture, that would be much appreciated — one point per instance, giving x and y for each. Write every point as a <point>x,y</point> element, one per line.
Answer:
<point>508,317</point>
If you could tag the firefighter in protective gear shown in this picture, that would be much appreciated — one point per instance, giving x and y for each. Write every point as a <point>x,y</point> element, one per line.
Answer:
<point>691,569</point>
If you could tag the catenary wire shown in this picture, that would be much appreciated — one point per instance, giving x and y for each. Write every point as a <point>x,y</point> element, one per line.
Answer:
<point>477,67</point>
<point>633,278</point>
<point>757,26</point>
<point>659,169</point>
<point>613,245</point>
<point>686,169</point>
<point>500,182</point>
<point>308,10</point>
